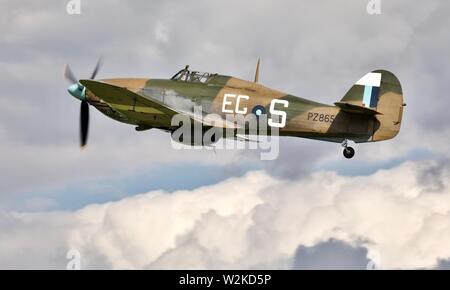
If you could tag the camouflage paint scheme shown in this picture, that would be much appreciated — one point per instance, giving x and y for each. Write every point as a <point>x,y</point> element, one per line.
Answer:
<point>151,103</point>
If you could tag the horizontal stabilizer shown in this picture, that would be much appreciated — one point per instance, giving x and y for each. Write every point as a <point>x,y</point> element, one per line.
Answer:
<point>351,108</point>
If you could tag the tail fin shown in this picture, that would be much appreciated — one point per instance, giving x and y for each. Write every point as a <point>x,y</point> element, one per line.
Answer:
<point>381,92</point>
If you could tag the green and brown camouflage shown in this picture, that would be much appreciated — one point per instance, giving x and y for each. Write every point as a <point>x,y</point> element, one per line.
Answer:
<point>370,111</point>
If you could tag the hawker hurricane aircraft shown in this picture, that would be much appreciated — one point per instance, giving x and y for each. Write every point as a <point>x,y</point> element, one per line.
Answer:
<point>370,111</point>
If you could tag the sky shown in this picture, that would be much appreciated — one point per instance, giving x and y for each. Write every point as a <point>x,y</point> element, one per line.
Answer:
<point>129,200</point>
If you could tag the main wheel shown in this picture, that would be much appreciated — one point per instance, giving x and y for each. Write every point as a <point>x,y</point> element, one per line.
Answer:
<point>349,152</point>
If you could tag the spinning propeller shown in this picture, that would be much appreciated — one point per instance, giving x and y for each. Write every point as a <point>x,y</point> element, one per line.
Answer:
<point>79,91</point>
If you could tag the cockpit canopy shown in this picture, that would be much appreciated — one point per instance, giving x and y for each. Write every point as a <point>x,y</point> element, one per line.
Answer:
<point>192,76</point>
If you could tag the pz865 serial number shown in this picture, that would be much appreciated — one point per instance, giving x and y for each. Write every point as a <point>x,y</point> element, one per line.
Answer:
<point>317,117</point>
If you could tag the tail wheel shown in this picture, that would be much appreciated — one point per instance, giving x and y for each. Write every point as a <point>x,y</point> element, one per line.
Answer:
<point>349,152</point>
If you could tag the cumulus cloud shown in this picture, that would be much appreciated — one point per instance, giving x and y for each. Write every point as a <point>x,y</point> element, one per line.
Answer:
<point>399,216</point>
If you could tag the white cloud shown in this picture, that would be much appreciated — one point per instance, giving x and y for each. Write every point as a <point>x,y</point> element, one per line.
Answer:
<point>253,221</point>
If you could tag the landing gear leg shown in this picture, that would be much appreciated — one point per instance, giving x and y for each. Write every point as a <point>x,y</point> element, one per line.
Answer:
<point>349,152</point>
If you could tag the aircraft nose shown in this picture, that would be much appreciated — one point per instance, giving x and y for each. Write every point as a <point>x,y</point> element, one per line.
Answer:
<point>78,91</point>
<point>72,89</point>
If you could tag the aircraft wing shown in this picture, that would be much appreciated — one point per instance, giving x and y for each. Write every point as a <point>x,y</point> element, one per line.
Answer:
<point>122,99</point>
<point>130,103</point>
<point>212,120</point>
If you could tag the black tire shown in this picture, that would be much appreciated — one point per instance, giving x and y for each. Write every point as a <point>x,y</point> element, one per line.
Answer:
<point>349,152</point>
